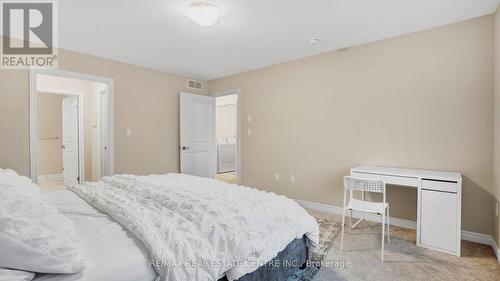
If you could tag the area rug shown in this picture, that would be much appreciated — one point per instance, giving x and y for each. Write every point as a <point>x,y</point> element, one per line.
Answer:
<point>328,232</point>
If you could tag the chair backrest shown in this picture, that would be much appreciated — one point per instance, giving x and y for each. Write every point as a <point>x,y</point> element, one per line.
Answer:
<point>368,185</point>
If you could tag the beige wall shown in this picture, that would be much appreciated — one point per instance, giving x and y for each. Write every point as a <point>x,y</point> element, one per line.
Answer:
<point>145,100</point>
<point>49,134</point>
<point>496,165</point>
<point>14,120</point>
<point>423,100</point>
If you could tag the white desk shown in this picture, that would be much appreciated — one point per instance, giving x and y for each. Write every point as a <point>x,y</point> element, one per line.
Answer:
<point>439,201</point>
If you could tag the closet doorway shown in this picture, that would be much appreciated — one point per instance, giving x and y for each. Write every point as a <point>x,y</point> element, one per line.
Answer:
<point>71,123</point>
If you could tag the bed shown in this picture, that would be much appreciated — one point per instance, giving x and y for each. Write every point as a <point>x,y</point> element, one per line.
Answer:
<point>115,252</point>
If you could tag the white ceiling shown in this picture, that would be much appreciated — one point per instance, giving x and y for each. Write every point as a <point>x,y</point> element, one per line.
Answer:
<point>251,34</point>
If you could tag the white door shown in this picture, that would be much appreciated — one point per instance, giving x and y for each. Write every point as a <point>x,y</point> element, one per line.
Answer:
<point>197,150</point>
<point>70,141</point>
<point>103,134</point>
<point>438,220</point>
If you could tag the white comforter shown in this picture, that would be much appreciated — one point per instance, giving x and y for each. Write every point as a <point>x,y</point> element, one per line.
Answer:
<point>201,229</point>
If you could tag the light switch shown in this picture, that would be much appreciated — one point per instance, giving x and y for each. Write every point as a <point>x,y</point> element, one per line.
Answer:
<point>249,131</point>
<point>292,178</point>
<point>277,176</point>
<point>128,132</point>
<point>249,118</point>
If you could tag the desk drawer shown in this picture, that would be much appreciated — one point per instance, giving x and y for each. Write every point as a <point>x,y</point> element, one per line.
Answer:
<point>439,185</point>
<point>397,180</point>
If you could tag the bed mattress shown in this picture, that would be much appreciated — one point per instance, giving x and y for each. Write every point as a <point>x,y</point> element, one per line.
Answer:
<point>111,252</point>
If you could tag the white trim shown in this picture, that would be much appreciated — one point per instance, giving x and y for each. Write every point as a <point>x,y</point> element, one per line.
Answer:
<point>496,249</point>
<point>466,235</point>
<point>33,114</point>
<point>482,239</point>
<point>477,237</point>
<point>236,92</point>
<point>33,135</point>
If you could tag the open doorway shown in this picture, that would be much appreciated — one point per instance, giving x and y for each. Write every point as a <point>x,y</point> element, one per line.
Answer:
<point>70,128</point>
<point>227,136</point>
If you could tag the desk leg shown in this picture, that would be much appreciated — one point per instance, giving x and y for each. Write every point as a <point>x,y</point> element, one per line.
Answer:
<point>419,200</point>
<point>363,198</point>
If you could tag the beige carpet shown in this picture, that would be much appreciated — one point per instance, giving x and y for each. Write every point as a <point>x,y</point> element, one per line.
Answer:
<point>51,185</point>
<point>403,260</point>
<point>228,177</point>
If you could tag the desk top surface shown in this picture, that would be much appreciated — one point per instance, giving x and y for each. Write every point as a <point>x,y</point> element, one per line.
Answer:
<point>403,172</point>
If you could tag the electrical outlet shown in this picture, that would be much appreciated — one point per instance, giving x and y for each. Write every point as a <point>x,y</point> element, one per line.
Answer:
<point>249,131</point>
<point>277,176</point>
<point>249,118</point>
<point>128,132</point>
<point>292,178</point>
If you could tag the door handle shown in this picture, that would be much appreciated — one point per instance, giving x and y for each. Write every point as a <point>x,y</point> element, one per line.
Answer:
<point>63,146</point>
<point>184,147</point>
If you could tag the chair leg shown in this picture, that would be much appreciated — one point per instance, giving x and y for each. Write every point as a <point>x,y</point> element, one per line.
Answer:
<point>342,234</point>
<point>388,226</point>
<point>383,237</point>
<point>350,221</point>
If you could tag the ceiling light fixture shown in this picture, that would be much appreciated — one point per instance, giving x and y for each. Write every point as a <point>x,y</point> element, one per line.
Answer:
<point>202,13</point>
<point>313,41</point>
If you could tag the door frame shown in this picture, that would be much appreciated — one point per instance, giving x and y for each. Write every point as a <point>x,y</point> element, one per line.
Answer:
<point>33,111</point>
<point>236,92</point>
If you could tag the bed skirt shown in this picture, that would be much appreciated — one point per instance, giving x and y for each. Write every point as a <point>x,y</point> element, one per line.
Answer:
<point>284,266</point>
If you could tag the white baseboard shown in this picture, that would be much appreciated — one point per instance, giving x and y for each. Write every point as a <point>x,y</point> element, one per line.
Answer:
<point>496,250</point>
<point>48,178</point>
<point>370,217</point>
<point>478,238</point>
<point>466,235</point>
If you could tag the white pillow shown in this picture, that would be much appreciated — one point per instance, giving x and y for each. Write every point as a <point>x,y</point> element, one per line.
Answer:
<point>7,274</point>
<point>33,235</point>
<point>19,183</point>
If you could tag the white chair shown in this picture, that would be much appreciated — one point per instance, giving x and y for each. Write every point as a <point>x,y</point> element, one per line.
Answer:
<point>352,184</point>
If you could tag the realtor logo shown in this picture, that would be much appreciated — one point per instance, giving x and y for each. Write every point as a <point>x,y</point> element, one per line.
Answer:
<point>29,34</point>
